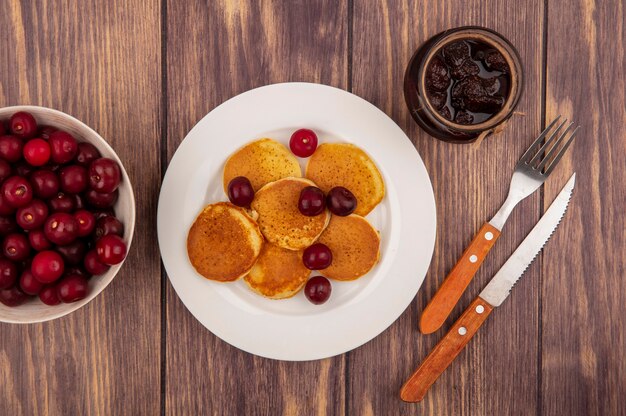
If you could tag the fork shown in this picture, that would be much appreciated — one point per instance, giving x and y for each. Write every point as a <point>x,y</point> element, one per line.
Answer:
<point>530,173</point>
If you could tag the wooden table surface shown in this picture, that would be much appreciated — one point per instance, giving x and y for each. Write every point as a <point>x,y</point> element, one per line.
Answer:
<point>143,72</point>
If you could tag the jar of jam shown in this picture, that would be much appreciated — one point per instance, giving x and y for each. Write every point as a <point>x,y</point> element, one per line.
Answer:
<point>463,84</point>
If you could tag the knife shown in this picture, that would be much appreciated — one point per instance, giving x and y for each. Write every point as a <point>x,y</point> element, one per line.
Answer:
<point>492,296</point>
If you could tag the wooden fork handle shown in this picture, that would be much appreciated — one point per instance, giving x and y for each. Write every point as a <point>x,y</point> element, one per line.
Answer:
<point>450,291</point>
<point>445,351</point>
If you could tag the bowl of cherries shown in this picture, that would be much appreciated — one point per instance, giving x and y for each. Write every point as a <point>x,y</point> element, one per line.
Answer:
<point>67,214</point>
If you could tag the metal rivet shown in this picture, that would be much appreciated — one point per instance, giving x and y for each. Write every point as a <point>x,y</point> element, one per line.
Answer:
<point>480,309</point>
<point>488,235</point>
<point>473,258</point>
<point>462,330</point>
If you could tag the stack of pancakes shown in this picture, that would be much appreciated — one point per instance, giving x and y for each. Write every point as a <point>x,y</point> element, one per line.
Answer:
<point>265,244</point>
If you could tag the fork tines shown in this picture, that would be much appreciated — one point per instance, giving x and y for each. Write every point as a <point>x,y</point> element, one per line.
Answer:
<point>552,150</point>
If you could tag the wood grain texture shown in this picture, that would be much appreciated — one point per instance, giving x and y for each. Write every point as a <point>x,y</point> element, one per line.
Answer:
<point>455,283</point>
<point>470,183</point>
<point>80,58</point>
<point>583,344</point>
<point>216,50</point>
<point>554,347</point>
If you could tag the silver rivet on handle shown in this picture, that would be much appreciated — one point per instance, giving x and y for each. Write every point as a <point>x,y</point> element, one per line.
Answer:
<point>489,235</point>
<point>480,309</point>
<point>473,258</point>
<point>462,330</point>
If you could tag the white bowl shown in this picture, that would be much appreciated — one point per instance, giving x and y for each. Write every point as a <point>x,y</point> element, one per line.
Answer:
<point>34,310</point>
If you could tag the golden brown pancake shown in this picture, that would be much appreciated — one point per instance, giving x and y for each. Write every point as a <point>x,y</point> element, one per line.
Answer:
<point>344,164</point>
<point>278,273</point>
<point>280,220</point>
<point>224,242</point>
<point>261,161</point>
<point>355,245</point>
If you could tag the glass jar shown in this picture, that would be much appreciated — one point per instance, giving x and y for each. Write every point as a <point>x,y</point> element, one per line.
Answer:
<point>421,106</point>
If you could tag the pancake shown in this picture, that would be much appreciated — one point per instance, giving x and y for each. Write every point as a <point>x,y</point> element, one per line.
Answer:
<point>344,164</point>
<point>355,245</point>
<point>280,220</point>
<point>278,273</point>
<point>261,161</point>
<point>224,242</point>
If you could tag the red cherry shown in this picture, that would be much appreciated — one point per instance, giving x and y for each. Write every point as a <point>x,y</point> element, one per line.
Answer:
<point>29,284</point>
<point>47,266</point>
<point>32,215</point>
<point>8,273</point>
<point>109,225</point>
<point>104,175</point>
<point>93,265</point>
<point>13,296</point>
<point>317,290</point>
<point>341,201</point>
<point>10,148</point>
<point>61,228</point>
<point>73,179</point>
<point>46,131</point>
<point>87,153</point>
<point>72,288</point>
<point>49,296</point>
<point>73,253</point>
<point>240,191</point>
<point>111,249</point>
<point>37,152</point>
<point>17,191</point>
<point>86,222</point>
<point>38,240</point>
<point>317,257</point>
<point>101,200</point>
<point>23,125</point>
<point>45,183</point>
<point>63,147</point>
<point>303,142</point>
<point>16,247</point>
<point>62,203</point>
<point>311,201</point>
<point>99,213</point>
<point>77,270</point>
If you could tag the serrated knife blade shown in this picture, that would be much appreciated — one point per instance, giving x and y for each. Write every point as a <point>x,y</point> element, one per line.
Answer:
<point>501,284</point>
<point>492,296</point>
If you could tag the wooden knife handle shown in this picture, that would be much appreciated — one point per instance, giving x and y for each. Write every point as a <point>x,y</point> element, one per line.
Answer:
<point>445,351</point>
<point>450,291</point>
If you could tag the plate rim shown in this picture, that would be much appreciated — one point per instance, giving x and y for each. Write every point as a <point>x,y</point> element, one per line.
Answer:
<point>429,235</point>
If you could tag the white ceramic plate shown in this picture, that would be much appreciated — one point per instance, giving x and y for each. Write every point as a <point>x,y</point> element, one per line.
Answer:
<point>294,329</point>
